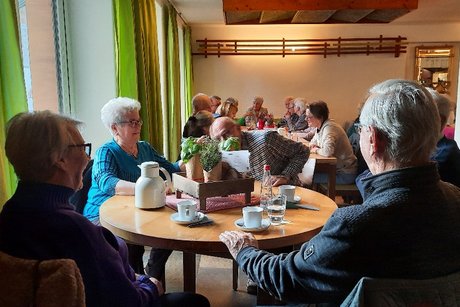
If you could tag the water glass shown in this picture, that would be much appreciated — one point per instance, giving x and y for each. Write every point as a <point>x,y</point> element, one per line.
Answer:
<point>276,209</point>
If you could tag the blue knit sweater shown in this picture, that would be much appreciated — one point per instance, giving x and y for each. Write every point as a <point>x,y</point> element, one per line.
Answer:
<point>39,223</point>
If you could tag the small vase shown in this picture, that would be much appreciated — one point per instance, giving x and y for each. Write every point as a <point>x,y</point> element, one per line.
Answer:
<point>193,169</point>
<point>215,174</point>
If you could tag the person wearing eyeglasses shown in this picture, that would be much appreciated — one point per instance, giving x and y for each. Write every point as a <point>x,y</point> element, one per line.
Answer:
<point>406,228</point>
<point>115,171</point>
<point>38,222</point>
<point>290,114</point>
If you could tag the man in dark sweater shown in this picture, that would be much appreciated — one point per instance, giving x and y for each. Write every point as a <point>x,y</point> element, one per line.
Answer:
<point>406,228</point>
<point>49,155</point>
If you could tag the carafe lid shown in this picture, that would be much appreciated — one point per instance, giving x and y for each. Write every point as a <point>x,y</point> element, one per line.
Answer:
<point>149,164</point>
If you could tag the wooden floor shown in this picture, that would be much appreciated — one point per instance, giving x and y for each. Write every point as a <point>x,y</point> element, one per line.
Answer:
<point>214,280</point>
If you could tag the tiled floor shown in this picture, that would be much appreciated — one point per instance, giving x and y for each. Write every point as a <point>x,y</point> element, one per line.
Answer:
<point>214,280</point>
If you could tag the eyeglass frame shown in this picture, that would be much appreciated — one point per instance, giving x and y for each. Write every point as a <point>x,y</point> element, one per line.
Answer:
<point>87,148</point>
<point>133,123</point>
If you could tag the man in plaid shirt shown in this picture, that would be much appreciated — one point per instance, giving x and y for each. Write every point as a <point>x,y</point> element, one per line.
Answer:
<point>285,157</point>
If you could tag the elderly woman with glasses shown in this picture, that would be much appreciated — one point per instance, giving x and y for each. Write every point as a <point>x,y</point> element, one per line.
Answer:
<point>331,140</point>
<point>229,107</point>
<point>38,222</point>
<point>115,169</point>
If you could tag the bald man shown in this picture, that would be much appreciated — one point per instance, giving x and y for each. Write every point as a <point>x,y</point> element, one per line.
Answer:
<point>201,102</point>
<point>285,157</point>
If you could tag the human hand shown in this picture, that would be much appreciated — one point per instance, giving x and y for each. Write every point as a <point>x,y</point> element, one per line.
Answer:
<point>278,180</point>
<point>237,240</point>
<point>159,285</point>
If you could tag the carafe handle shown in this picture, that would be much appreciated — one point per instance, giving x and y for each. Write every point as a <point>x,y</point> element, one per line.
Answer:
<point>168,182</point>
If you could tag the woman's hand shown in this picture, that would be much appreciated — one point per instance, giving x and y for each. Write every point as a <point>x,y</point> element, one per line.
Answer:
<point>237,240</point>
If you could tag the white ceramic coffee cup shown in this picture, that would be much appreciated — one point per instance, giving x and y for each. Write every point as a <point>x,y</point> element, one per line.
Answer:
<point>186,210</point>
<point>252,217</point>
<point>288,190</point>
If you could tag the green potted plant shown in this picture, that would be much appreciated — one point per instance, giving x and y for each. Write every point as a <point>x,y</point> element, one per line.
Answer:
<point>211,160</point>
<point>190,155</point>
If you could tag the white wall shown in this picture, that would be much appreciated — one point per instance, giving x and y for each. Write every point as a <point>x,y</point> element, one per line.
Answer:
<point>92,61</point>
<point>340,81</point>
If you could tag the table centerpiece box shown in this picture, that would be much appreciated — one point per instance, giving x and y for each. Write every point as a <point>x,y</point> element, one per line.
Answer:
<point>203,190</point>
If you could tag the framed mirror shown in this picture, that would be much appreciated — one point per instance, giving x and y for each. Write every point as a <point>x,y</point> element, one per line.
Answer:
<point>433,67</point>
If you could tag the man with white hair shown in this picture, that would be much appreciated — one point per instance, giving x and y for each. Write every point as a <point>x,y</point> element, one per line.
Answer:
<point>406,228</point>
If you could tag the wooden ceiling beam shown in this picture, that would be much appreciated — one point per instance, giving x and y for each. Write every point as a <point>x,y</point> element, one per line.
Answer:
<point>279,5</point>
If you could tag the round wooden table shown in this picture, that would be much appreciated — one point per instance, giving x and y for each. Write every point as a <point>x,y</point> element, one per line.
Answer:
<point>155,228</point>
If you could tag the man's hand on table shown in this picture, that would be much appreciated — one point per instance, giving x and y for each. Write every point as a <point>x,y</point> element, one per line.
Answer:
<point>279,180</point>
<point>237,240</point>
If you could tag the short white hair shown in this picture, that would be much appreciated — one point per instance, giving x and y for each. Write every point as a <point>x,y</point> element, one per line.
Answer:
<point>404,112</point>
<point>115,109</point>
<point>301,103</point>
<point>444,106</point>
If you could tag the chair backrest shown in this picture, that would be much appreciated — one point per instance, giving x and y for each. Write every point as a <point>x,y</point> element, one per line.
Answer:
<point>80,197</point>
<point>25,282</point>
<point>441,291</point>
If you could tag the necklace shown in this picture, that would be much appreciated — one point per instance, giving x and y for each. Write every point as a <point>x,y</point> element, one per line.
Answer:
<point>132,152</point>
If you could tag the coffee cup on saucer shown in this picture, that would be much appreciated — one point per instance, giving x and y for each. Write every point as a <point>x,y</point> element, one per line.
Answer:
<point>186,210</point>
<point>252,217</point>
<point>288,191</point>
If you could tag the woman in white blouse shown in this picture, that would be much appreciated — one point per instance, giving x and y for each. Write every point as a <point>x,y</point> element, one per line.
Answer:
<point>331,140</point>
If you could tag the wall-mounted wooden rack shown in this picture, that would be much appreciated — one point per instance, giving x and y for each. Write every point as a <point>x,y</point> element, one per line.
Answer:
<point>325,47</point>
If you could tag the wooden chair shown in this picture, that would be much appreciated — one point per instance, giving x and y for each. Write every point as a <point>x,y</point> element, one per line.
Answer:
<point>349,193</point>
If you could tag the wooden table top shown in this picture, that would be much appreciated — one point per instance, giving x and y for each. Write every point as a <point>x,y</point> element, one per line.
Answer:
<point>155,228</point>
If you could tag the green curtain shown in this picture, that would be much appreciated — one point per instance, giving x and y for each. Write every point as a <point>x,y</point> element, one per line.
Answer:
<point>125,51</point>
<point>148,71</point>
<point>173,105</point>
<point>188,71</point>
<point>13,97</point>
<point>137,63</point>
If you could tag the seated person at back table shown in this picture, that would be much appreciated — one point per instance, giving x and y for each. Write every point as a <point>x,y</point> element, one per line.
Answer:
<point>447,153</point>
<point>290,114</point>
<point>38,222</point>
<point>215,103</point>
<point>229,108</point>
<point>331,141</point>
<point>115,171</point>
<point>285,157</point>
<point>257,112</point>
<point>198,124</point>
<point>407,227</point>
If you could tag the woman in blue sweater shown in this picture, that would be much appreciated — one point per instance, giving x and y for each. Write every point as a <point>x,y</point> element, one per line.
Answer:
<point>38,222</point>
<point>115,171</point>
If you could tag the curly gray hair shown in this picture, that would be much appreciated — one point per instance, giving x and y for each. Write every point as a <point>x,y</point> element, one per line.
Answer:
<point>404,112</point>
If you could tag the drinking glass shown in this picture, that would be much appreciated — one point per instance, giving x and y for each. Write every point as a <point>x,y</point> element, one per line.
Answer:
<point>276,209</point>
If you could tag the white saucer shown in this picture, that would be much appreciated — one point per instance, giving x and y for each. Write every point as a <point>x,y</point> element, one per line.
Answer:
<point>240,224</point>
<point>175,218</point>
<point>296,200</point>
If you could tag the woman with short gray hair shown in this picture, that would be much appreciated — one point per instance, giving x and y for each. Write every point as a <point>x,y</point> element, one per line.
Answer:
<point>115,171</point>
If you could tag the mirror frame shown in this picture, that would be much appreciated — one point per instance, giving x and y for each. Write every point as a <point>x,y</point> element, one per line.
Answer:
<point>426,75</point>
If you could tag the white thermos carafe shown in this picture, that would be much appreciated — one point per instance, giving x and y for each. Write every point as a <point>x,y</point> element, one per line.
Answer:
<point>150,189</point>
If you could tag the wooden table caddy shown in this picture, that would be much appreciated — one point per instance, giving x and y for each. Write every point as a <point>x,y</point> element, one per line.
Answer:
<point>203,190</point>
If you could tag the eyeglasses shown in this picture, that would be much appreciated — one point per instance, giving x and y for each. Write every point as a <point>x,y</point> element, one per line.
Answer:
<point>132,123</point>
<point>87,148</point>
<point>359,127</point>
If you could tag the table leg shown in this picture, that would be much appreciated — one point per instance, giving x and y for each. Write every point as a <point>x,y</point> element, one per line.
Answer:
<point>189,265</point>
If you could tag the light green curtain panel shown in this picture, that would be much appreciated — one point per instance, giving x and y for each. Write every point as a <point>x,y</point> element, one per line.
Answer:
<point>148,71</point>
<point>125,51</point>
<point>173,109</point>
<point>137,64</point>
<point>188,71</point>
<point>13,97</point>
